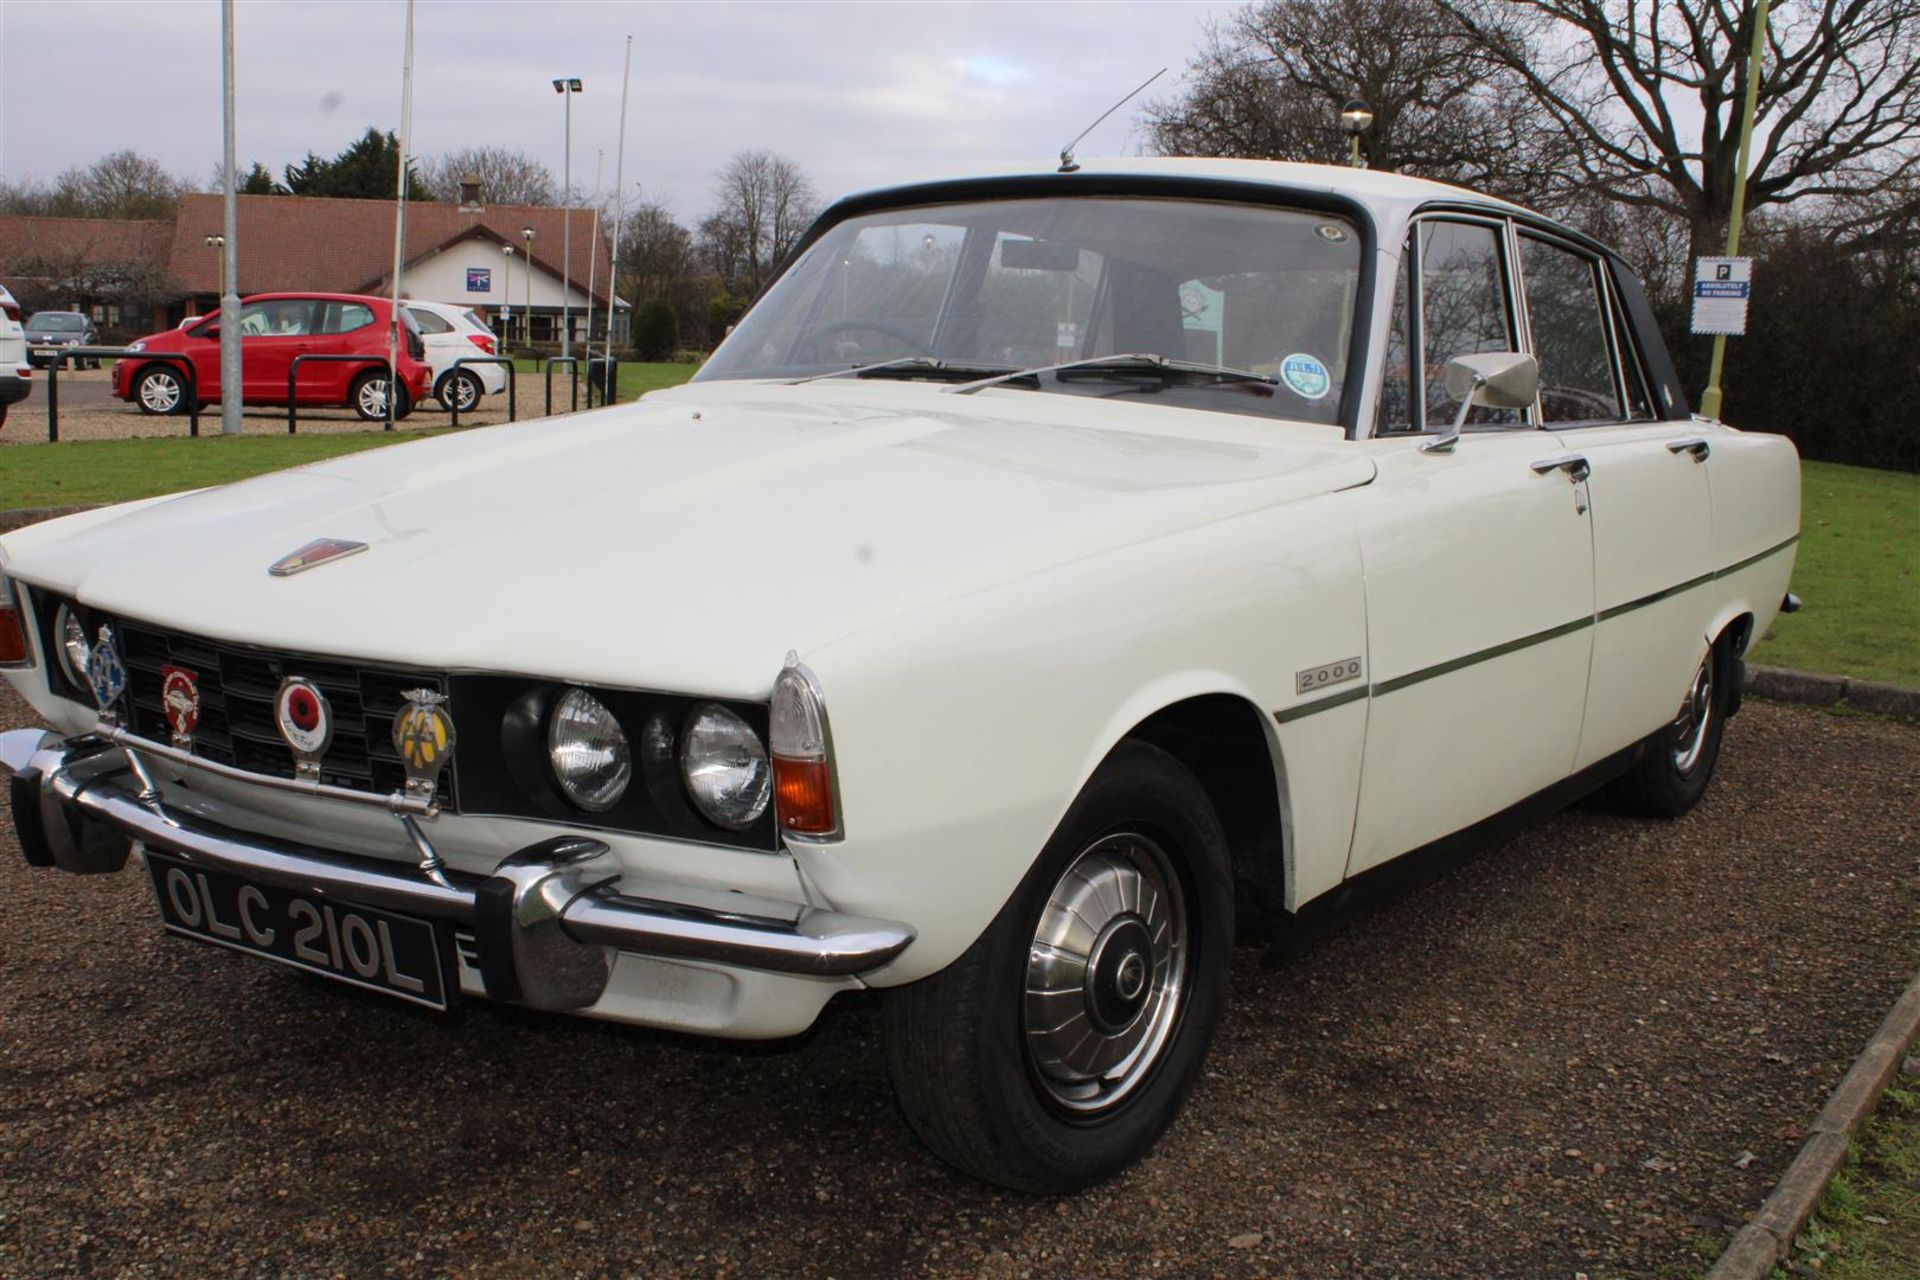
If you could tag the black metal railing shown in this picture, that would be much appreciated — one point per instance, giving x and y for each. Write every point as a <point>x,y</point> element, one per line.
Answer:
<point>293,375</point>
<point>453,405</point>
<point>573,363</point>
<point>63,354</point>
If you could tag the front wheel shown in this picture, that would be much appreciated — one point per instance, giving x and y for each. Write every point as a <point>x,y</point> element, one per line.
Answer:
<point>368,396</point>
<point>1057,1049</point>
<point>160,390</point>
<point>1676,765</point>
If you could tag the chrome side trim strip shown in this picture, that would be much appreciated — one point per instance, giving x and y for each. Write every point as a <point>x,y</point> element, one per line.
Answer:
<point>1288,714</point>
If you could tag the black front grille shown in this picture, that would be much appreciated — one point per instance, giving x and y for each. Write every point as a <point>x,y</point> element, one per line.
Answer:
<point>238,684</point>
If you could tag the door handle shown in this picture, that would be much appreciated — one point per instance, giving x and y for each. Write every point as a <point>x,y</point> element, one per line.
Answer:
<point>1698,447</point>
<point>1574,464</point>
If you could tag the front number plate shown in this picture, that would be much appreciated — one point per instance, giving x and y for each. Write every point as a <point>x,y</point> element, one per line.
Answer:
<point>397,955</point>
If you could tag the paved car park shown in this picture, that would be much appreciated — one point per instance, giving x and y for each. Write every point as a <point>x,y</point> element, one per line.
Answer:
<point>1589,1051</point>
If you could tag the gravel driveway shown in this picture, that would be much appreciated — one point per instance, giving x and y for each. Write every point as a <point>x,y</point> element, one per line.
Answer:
<point>1554,1061</point>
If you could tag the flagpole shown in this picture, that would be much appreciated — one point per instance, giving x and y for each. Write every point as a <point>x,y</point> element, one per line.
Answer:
<point>400,223</point>
<point>593,246</point>
<point>620,209</point>
<point>230,375</point>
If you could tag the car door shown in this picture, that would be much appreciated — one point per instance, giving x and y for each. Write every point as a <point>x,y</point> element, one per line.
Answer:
<point>272,332</point>
<point>1479,570</point>
<point>1652,507</point>
<point>343,328</point>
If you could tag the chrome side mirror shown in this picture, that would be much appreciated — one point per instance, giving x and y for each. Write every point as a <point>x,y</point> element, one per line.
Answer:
<point>1490,379</point>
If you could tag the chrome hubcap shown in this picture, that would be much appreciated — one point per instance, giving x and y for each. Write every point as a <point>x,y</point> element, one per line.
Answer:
<point>1106,973</point>
<point>1696,712</point>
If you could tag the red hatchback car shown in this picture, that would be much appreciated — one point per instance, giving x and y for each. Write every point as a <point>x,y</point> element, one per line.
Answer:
<point>275,328</point>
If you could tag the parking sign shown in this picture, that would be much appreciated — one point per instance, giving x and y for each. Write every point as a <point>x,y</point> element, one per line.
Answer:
<point>1721,287</point>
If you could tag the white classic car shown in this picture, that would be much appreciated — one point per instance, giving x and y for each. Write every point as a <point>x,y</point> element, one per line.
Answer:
<point>1054,576</point>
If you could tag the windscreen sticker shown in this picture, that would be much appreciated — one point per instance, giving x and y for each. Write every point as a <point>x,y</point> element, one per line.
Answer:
<point>1306,376</point>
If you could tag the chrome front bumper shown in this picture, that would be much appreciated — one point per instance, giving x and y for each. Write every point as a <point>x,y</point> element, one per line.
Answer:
<point>548,921</point>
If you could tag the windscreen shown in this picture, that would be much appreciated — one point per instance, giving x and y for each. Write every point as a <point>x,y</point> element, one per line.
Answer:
<point>1024,284</point>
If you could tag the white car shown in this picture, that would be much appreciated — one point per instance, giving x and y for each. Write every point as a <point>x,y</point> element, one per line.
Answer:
<point>16,371</point>
<point>450,333</point>
<point>1055,577</point>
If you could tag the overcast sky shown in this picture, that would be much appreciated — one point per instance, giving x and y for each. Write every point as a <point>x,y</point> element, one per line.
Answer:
<point>859,94</point>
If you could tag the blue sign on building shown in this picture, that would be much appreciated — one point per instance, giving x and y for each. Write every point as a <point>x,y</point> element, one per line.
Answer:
<point>479,279</point>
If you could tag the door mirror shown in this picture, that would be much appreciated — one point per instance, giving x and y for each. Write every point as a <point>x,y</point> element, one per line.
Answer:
<point>1490,379</point>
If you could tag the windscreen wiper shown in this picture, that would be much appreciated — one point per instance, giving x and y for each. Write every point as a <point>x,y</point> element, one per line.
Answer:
<point>913,367</point>
<point>1146,362</point>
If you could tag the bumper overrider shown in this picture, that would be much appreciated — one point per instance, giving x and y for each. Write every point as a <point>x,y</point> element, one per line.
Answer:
<point>548,922</point>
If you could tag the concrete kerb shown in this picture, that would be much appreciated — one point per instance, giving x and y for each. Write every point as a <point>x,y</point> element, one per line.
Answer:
<point>1812,689</point>
<point>1767,1238</point>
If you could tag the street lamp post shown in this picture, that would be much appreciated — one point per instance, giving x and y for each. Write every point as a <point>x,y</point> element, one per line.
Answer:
<point>566,87</point>
<point>1356,118</point>
<point>527,233</point>
<point>506,294</point>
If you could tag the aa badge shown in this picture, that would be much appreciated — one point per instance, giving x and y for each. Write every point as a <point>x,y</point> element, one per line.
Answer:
<point>423,735</point>
<point>106,675</point>
<point>180,703</point>
<point>305,720</point>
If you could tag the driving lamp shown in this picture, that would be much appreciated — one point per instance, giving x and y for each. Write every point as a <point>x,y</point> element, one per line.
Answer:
<point>802,764</point>
<point>591,761</point>
<point>724,766</point>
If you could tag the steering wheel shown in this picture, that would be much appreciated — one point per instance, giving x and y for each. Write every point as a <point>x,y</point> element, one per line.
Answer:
<point>869,326</point>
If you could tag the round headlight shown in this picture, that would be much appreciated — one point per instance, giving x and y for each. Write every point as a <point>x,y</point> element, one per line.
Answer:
<point>74,649</point>
<point>588,751</point>
<point>725,767</point>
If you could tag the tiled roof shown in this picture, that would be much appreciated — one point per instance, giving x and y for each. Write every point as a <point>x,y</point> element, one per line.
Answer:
<point>346,246</point>
<point>25,239</point>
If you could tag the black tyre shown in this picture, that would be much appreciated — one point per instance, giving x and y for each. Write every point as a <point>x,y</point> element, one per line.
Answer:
<point>1058,1048</point>
<point>1677,763</point>
<point>160,390</point>
<point>368,398</point>
<point>459,385</point>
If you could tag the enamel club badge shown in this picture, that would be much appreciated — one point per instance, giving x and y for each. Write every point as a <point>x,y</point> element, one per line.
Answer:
<point>180,703</point>
<point>423,735</point>
<point>305,721</point>
<point>106,675</point>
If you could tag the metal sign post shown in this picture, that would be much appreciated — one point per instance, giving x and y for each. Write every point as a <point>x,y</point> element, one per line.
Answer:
<point>230,249</point>
<point>1756,60</point>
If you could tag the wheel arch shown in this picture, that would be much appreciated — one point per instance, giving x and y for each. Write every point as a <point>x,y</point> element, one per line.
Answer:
<point>1227,743</point>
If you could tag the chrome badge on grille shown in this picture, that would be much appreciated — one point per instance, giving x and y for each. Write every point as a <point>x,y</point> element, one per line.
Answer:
<point>318,552</point>
<point>423,735</point>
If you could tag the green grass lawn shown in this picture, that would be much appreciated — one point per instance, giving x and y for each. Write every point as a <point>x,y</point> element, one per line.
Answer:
<point>1859,572</point>
<point>1868,1224</point>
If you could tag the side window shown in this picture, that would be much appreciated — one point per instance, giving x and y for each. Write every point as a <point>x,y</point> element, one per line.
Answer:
<point>1639,402</point>
<point>428,321</point>
<point>1463,310</point>
<point>1569,319</point>
<point>345,317</point>
<point>277,318</point>
<point>1396,385</point>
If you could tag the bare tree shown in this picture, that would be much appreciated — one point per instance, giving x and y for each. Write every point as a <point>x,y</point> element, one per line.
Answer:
<point>764,204</point>
<point>506,176</point>
<point>1647,98</point>
<point>656,253</point>
<point>124,184</point>
<point>1269,83</point>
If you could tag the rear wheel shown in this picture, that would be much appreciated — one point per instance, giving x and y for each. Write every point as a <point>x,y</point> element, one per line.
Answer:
<point>368,396</point>
<point>1057,1049</point>
<point>459,386</point>
<point>1677,764</point>
<point>160,390</point>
